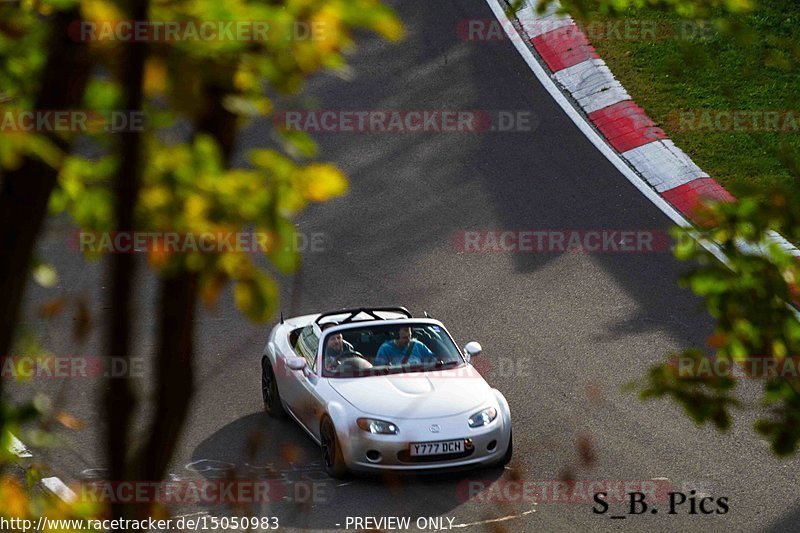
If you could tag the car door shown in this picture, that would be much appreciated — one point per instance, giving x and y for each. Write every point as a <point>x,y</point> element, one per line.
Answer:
<point>301,394</point>
<point>311,402</point>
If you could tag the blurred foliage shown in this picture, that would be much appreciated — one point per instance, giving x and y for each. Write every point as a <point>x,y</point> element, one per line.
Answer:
<point>188,185</point>
<point>756,328</point>
<point>690,9</point>
<point>19,505</point>
<point>20,499</point>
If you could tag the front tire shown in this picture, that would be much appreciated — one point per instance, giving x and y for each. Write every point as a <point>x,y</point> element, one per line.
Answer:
<point>332,457</point>
<point>269,391</point>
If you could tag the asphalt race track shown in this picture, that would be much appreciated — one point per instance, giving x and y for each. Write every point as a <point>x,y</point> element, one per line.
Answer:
<point>561,332</point>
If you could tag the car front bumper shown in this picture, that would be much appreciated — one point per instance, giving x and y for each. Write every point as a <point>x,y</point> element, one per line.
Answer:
<point>364,451</point>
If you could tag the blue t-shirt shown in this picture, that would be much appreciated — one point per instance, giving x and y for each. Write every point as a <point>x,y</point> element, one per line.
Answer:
<point>390,353</point>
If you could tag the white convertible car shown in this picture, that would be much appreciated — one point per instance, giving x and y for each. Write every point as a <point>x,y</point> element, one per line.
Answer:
<point>380,390</point>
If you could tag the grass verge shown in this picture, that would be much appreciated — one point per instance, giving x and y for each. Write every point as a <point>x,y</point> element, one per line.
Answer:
<point>693,79</point>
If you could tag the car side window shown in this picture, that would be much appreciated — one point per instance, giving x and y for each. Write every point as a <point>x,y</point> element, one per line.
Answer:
<point>307,344</point>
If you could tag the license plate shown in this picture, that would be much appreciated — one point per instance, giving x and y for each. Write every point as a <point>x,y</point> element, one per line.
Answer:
<point>436,448</point>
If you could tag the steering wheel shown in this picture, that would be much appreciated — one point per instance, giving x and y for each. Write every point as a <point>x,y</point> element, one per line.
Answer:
<point>349,355</point>
<point>349,358</point>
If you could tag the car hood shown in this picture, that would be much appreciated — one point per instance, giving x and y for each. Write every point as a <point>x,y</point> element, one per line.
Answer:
<point>415,395</point>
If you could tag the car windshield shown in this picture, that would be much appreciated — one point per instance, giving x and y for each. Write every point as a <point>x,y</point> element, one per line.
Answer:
<point>383,349</point>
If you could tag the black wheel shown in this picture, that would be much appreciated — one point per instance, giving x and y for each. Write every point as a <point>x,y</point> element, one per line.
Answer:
<point>332,458</point>
<point>269,391</point>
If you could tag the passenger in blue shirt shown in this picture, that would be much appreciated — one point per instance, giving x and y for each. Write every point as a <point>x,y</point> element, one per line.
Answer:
<point>402,350</point>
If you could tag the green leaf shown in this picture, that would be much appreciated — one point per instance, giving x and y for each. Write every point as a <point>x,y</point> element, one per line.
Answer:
<point>45,275</point>
<point>256,297</point>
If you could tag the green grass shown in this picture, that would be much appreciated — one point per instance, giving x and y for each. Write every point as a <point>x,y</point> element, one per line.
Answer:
<point>756,67</point>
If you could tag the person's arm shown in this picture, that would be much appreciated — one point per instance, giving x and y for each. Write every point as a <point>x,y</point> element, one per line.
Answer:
<point>423,351</point>
<point>382,357</point>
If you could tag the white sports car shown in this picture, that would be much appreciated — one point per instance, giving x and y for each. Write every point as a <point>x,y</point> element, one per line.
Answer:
<point>380,390</point>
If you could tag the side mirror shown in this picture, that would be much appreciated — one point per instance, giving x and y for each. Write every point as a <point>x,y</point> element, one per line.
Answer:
<point>295,363</point>
<point>472,349</point>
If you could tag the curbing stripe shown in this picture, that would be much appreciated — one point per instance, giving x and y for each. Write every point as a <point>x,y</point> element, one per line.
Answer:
<point>615,112</point>
<point>54,485</point>
<point>17,448</point>
<point>689,198</point>
<point>535,24</point>
<point>626,126</point>
<point>592,85</point>
<point>663,165</point>
<point>564,47</point>
<point>59,489</point>
<point>780,240</point>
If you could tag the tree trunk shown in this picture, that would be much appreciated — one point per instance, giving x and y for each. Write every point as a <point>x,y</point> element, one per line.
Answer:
<point>177,309</point>
<point>174,372</point>
<point>25,191</point>
<point>119,398</point>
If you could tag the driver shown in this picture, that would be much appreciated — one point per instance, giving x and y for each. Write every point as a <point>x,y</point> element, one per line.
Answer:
<point>403,349</point>
<point>335,346</point>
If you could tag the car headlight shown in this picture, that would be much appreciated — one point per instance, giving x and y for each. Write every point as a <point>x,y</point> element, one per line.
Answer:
<point>482,418</point>
<point>379,427</point>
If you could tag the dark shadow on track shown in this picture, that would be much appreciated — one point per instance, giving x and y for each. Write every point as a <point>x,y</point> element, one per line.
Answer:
<point>256,448</point>
<point>790,522</point>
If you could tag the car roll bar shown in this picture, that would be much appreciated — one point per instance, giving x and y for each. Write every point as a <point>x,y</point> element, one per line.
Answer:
<point>371,311</point>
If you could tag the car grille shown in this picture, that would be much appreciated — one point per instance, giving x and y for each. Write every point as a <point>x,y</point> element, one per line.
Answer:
<point>406,457</point>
